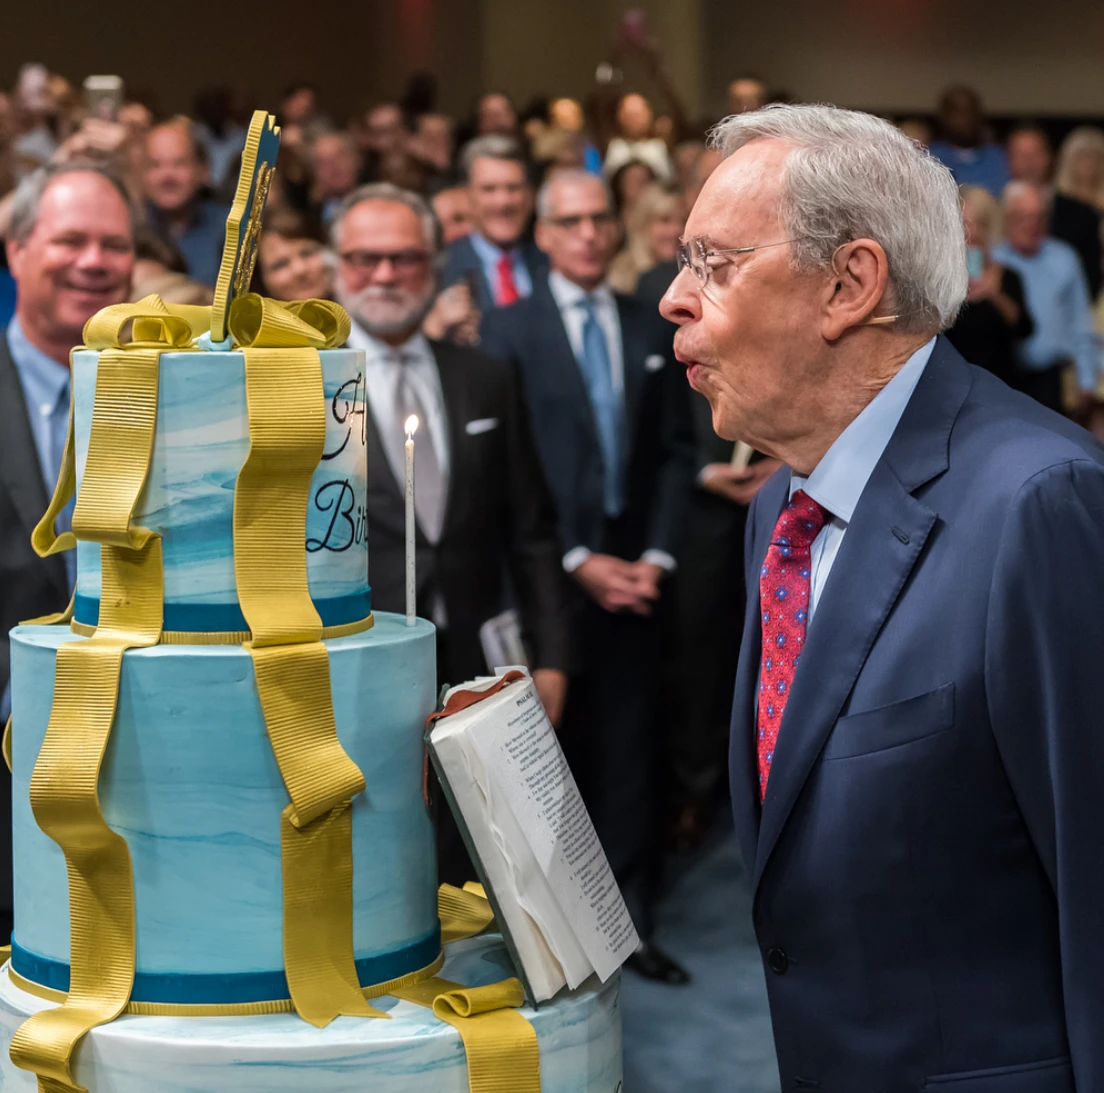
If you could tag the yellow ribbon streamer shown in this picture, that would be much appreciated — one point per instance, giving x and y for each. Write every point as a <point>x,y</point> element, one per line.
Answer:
<point>499,1042</point>
<point>286,437</point>
<point>464,912</point>
<point>64,785</point>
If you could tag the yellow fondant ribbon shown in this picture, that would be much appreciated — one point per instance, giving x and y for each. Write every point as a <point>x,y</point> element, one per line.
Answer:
<point>286,436</point>
<point>464,912</point>
<point>499,1042</point>
<point>64,785</point>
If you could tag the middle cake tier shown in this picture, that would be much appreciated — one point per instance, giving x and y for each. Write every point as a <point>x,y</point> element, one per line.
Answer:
<point>191,783</point>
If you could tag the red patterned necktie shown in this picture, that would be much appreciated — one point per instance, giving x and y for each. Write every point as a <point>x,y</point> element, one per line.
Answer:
<point>507,292</point>
<point>784,606</point>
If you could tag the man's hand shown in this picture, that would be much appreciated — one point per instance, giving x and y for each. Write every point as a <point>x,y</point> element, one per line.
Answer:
<point>737,486</point>
<point>987,286</point>
<point>648,579</point>
<point>454,316</point>
<point>551,685</point>
<point>611,582</point>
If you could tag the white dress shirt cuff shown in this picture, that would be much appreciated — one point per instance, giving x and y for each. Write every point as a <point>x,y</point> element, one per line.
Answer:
<point>575,558</point>
<point>660,558</point>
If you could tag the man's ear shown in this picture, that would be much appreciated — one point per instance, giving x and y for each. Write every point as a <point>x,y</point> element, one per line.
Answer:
<point>858,288</point>
<point>14,252</point>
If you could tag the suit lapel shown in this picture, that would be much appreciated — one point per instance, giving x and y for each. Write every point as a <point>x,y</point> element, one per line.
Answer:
<point>20,470</point>
<point>454,399</point>
<point>743,761</point>
<point>561,356</point>
<point>633,351</point>
<point>883,543</point>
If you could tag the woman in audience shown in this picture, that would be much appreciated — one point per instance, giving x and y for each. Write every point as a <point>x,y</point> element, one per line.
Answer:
<point>654,227</point>
<point>628,182</point>
<point>1080,172</point>
<point>293,262</point>
<point>995,317</point>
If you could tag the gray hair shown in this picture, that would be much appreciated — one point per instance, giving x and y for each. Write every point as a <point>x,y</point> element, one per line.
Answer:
<point>544,194</point>
<point>386,191</point>
<point>854,176</point>
<point>495,146</point>
<point>28,195</point>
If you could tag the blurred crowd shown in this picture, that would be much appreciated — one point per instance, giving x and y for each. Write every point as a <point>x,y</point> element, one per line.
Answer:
<point>503,272</point>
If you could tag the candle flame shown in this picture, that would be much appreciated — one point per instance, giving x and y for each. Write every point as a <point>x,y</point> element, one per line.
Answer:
<point>411,426</point>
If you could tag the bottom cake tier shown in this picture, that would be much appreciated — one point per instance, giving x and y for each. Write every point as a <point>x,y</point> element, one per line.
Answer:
<point>579,1035</point>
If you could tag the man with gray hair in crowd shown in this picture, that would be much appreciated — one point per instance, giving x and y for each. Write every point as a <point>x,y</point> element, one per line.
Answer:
<point>483,508</point>
<point>500,262</point>
<point>70,247</point>
<point>917,767</point>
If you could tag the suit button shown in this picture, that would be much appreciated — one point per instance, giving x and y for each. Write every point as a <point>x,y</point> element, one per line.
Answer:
<point>777,961</point>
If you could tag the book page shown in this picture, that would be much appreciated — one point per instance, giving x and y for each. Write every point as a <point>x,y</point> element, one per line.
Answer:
<point>526,765</point>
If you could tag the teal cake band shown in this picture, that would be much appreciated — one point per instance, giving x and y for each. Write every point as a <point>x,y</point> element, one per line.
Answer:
<point>228,617</point>
<point>230,988</point>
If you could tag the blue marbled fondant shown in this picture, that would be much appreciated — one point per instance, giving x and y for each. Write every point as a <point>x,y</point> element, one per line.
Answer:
<point>190,781</point>
<point>579,1034</point>
<point>201,442</point>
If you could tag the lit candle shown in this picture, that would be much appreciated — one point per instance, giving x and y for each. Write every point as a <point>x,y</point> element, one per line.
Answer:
<point>411,583</point>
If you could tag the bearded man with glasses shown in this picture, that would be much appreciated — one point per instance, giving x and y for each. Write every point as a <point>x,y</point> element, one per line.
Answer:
<point>917,764</point>
<point>484,515</point>
<point>612,424</point>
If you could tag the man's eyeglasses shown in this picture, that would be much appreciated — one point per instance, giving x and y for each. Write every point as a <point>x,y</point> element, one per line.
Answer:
<point>695,256</point>
<point>573,223</point>
<point>403,261</point>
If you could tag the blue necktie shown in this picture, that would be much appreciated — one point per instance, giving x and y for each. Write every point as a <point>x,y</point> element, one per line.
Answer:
<point>606,404</point>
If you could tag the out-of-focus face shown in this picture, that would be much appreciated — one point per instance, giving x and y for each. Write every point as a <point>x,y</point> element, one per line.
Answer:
<point>174,173</point>
<point>496,114</point>
<point>578,231</point>
<point>664,232</point>
<point>634,117</point>
<point>501,199</point>
<point>1029,157</point>
<point>78,259</point>
<point>975,223</point>
<point>384,130</point>
<point>566,114</point>
<point>1025,221</point>
<point>385,268</point>
<point>750,337</point>
<point>1086,168</point>
<point>294,269</point>
<point>137,117</point>
<point>746,94</point>
<point>335,165</point>
<point>435,134</point>
<point>454,211</point>
<point>960,116</point>
<point>299,107</point>
<point>632,182</point>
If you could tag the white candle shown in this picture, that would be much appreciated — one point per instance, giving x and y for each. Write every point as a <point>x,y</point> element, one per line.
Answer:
<point>411,581</point>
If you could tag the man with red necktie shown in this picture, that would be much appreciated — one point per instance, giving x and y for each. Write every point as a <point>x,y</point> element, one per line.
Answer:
<point>916,758</point>
<point>503,263</point>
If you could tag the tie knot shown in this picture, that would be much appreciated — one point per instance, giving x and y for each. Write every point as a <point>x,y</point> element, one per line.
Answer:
<point>801,522</point>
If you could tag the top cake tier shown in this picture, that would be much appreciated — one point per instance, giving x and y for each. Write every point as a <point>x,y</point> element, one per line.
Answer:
<point>200,445</point>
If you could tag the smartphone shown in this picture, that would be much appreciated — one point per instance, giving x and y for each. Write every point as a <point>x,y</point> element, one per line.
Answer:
<point>103,96</point>
<point>975,262</point>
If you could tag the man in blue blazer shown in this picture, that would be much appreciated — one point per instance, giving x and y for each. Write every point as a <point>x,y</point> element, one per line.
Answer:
<point>612,424</point>
<point>917,762</point>
<point>503,266</point>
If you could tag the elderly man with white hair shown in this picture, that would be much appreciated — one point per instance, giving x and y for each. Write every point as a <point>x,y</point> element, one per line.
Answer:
<point>917,767</point>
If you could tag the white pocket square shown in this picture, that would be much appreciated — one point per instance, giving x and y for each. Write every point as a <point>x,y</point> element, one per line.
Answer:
<point>482,425</point>
<point>654,362</point>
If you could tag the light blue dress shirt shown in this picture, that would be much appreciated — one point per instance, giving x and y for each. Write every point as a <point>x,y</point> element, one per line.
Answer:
<point>1058,299</point>
<point>489,255</point>
<point>45,386</point>
<point>838,480</point>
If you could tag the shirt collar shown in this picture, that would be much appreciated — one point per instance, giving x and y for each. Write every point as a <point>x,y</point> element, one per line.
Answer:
<point>838,480</point>
<point>567,294</point>
<point>44,380</point>
<point>416,346</point>
<point>488,251</point>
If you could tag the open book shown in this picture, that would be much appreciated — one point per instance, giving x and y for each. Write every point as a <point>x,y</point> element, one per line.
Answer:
<point>516,803</point>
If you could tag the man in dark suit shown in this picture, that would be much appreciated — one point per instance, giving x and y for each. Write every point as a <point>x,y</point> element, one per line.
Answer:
<point>70,247</point>
<point>484,512</point>
<point>916,761</point>
<point>612,429</point>
<point>501,264</point>
<point>1031,159</point>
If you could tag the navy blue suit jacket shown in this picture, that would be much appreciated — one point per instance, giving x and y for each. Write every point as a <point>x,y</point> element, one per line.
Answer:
<point>532,336</point>
<point>928,865</point>
<point>460,258</point>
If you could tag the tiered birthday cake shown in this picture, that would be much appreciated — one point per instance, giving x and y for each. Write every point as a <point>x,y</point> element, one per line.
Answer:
<point>224,865</point>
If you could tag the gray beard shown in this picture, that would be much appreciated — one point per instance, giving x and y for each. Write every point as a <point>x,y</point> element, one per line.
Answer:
<point>396,318</point>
